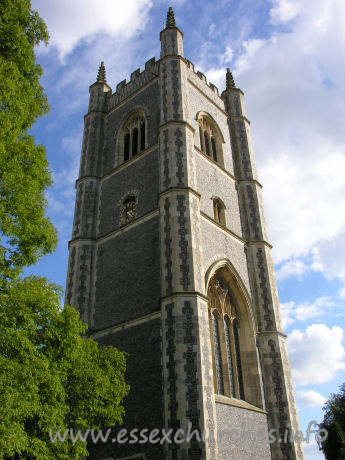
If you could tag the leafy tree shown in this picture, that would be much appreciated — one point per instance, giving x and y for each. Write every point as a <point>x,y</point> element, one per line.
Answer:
<point>25,232</point>
<point>52,377</point>
<point>334,422</point>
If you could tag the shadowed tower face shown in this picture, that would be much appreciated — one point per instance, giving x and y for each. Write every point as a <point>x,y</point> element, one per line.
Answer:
<point>170,262</point>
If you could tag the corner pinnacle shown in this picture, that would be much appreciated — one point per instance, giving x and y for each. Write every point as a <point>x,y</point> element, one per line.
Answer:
<point>170,18</point>
<point>230,82</point>
<point>101,77</point>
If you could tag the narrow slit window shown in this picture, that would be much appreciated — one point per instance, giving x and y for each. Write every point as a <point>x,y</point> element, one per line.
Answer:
<point>217,353</point>
<point>238,360</point>
<point>216,211</point>
<point>135,141</point>
<point>126,147</point>
<point>142,136</point>
<point>214,149</point>
<point>207,145</point>
<point>227,328</point>
<point>201,139</point>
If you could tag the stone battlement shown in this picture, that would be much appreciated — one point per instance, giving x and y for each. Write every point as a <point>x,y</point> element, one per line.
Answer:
<point>202,78</point>
<point>138,79</point>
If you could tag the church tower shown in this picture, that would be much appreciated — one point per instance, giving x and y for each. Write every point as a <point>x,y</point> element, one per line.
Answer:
<point>170,261</point>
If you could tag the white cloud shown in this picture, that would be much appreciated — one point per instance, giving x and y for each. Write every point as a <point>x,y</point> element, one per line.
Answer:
<point>293,82</point>
<point>311,450</point>
<point>287,312</point>
<point>312,211</point>
<point>308,310</point>
<point>69,22</point>
<point>60,209</point>
<point>305,310</point>
<point>291,268</point>
<point>342,293</point>
<point>212,30</point>
<point>61,196</point>
<point>71,146</point>
<point>310,398</point>
<point>215,76</point>
<point>284,10</point>
<point>299,267</point>
<point>316,354</point>
<point>228,55</point>
<point>251,51</point>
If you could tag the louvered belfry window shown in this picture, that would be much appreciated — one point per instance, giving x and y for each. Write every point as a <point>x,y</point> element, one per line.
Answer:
<point>210,142</point>
<point>134,136</point>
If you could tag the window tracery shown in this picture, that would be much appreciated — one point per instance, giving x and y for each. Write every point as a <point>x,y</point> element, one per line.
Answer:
<point>134,136</point>
<point>224,326</point>
<point>210,142</point>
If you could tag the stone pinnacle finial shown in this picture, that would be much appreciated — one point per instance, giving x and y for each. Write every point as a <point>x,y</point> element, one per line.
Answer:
<point>101,77</point>
<point>170,18</point>
<point>230,82</point>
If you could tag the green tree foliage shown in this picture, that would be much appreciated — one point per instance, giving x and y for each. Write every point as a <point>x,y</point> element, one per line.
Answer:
<point>25,232</point>
<point>50,376</point>
<point>334,422</point>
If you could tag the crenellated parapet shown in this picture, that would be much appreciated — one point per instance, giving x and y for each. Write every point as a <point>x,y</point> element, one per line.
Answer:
<point>137,81</point>
<point>201,77</point>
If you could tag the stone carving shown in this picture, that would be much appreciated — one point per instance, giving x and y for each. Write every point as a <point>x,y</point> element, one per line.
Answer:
<point>128,210</point>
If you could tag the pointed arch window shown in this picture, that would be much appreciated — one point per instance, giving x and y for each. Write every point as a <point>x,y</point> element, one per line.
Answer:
<point>224,327</point>
<point>219,211</point>
<point>210,139</point>
<point>134,136</point>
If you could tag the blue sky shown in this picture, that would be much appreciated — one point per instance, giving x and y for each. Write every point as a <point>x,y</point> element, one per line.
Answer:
<point>288,56</point>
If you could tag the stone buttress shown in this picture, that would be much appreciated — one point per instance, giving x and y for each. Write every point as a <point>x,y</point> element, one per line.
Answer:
<point>80,283</point>
<point>186,347</point>
<point>281,405</point>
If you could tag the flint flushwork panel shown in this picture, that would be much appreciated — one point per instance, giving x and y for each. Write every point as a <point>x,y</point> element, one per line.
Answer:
<point>197,103</point>
<point>85,209</point>
<point>143,405</point>
<point>213,183</point>
<point>235,421</point>
<point>128,275</point>
<point>217,245</point>
<point>147,100</point>
<point>141,176</point>
<point>192,382</point>
<point>173,421</point>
